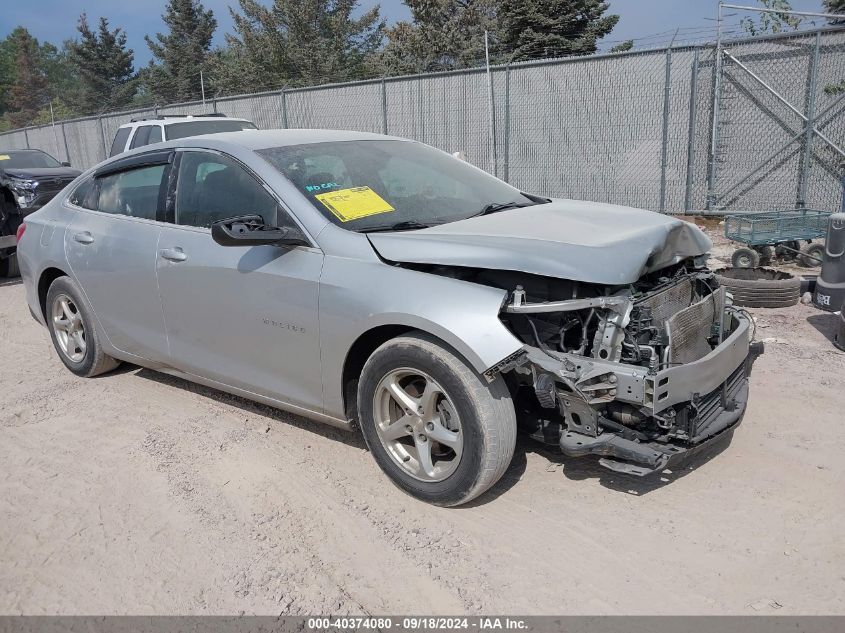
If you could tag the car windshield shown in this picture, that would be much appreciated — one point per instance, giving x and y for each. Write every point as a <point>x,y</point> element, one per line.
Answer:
<point>375,185</point>
<point>196,128</point>
<point>30,159</point>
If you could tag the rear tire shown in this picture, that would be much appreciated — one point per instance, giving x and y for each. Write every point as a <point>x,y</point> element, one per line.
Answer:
<point>808,254</point>
<point>442,398</point>
<point>767,254</point>
<point>744,257</point>
<point>73,330</point>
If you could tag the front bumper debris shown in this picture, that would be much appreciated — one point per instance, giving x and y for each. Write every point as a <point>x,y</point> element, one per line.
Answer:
<point>706,419</point>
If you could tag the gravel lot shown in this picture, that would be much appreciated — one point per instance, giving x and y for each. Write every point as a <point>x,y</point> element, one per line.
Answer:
<point>138,493</point>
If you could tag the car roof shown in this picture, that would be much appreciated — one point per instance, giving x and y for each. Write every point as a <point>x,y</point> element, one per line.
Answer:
<point>181,119</point>
<point>263,139</point>
<point>252,140</point>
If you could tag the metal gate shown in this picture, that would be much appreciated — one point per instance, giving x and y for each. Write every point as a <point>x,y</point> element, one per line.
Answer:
<point>770,131</point>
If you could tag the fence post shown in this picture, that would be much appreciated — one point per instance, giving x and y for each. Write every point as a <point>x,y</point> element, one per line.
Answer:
<point>494,162</point>
<point>26,138</point>
<point>383,106</point>
<point>103,137</point>
<point>507,140</point>
<point>664,144</point>
<point>284,103</point>
<point>807,159</point>
<point>693,116</point>
<point>717,104</point>
<point>214,104</point>
<point>64,138</point>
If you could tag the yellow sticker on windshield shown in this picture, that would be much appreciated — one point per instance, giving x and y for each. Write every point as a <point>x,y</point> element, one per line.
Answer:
<point>5,157</point>
<point>354,203</point>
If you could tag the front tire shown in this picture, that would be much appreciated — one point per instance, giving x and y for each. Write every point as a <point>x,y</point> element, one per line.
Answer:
<point>73,331</point>
<point>441,432</point>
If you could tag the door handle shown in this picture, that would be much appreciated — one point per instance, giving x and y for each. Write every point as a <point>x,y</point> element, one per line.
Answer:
<point>83,238</point>
<point>174,254</point>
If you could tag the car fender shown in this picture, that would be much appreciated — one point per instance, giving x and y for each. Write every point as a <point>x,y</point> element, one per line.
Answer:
<point>359,296</point>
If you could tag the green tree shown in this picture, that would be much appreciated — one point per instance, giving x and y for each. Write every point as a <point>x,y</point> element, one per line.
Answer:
<point>50,62</point>
<point>837,7</point>
<point>623,46</point>
<point>182,53</point>
<point>297,42</point>
<point>443,35</point>
<point>532,29</point>
<point>771,21</point>
<point>104,69</point>
<point>29,92</point>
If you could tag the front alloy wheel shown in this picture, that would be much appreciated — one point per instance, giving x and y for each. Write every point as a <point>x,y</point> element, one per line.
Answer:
<point>438,429</point>
<point>418,425</point>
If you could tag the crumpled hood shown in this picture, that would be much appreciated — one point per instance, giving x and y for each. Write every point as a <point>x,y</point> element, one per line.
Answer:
<point>569,239</point>
<point>41,173</point>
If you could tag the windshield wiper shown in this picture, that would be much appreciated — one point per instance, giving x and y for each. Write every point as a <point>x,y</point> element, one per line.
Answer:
<point>495,207</point>
<point>406,225</point>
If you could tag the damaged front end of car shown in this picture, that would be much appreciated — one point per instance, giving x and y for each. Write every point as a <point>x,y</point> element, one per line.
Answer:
<point>641,375</point>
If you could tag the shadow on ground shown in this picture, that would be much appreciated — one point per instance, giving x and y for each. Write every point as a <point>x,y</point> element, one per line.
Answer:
<point>248,406</point>
<point>573,468</point>
<point>826,323</point>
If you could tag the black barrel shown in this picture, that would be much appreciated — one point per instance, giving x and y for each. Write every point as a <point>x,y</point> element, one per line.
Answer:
<point>830,286</point>
<point>839,335</point>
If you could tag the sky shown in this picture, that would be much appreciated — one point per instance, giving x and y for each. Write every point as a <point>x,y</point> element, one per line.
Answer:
<point>650,22</point>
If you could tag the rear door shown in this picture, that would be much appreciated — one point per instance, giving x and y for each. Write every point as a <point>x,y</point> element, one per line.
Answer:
<point>242,316</point>
<point>111,248</point>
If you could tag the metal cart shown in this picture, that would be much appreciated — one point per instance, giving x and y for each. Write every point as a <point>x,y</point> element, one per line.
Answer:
<point>777,234</point>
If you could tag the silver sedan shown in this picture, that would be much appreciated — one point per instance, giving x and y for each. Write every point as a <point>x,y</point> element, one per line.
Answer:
<point>374,282</point>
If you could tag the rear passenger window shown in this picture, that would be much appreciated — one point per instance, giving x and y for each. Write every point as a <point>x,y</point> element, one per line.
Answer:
<point>142,136</point>
<point>133,193</point>
<point>81,196</point>
<point>120,140</point>
<point>155,135</point>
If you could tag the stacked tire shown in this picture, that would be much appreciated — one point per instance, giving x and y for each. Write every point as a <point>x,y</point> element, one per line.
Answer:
<point>760,287</point>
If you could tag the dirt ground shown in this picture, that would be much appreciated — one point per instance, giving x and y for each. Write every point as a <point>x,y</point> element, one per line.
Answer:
<point>138,493</point>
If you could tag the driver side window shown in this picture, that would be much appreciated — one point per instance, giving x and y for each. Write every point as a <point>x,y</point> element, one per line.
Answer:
<point>213,187</point>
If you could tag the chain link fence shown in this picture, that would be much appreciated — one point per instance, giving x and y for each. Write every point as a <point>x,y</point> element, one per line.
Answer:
<point>656,129</point>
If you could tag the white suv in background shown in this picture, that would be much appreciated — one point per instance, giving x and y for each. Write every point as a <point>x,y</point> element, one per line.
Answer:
<point>140,132</point>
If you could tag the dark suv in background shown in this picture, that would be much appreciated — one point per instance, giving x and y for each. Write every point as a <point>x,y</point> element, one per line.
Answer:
<point>29,179</point>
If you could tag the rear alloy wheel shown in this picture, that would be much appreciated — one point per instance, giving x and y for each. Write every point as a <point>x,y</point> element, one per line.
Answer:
<point>73,332</point>
<point>440,431</point>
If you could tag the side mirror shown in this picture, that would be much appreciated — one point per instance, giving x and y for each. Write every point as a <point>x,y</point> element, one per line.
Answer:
<point>65,163</point>
<point>250,230</point>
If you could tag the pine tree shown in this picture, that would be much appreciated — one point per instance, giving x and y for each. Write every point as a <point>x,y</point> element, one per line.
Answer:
<point>297,42</point>
<point>443,35</point>
<point>50,62</point>
<point>29,92</point>
<point>104,68</point>
<point>182,53</point>
<point>532,29</point>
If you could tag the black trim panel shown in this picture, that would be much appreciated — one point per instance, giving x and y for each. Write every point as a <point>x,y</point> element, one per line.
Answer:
<point>160,157</point>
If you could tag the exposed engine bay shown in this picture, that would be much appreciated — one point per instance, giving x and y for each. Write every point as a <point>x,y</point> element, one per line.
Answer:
<point>636,373</point>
